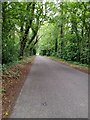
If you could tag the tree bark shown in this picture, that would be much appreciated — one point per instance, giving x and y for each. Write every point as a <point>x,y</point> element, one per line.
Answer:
<point>56,45</point>
<point>61,32</point>
<point>23,38</point>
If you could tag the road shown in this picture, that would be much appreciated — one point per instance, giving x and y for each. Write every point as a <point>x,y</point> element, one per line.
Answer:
<point>53,90</point>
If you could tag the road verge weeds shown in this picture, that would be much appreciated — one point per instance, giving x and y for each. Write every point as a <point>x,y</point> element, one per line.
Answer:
<point>78,66</point>
<point>13,78</point>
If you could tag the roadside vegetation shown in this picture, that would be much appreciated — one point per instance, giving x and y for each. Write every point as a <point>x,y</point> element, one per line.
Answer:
<point>67,35</point>
<point>60,30</point>
<point>13,78</point>
<point>76,65</point>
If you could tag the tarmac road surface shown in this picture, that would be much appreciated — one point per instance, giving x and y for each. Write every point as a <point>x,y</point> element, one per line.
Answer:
<point>53,90</point>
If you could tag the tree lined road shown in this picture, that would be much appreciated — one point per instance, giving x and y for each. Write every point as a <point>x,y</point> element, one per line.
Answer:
<point>53,90</point>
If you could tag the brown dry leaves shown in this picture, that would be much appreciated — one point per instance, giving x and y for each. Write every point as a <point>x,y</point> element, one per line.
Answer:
<point>12,81</point>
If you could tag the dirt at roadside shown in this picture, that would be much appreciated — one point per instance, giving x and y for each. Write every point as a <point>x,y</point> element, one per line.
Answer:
<point>78,67</point>
<point>12,82</point>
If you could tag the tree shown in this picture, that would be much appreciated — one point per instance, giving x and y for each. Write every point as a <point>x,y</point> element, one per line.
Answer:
<point>64,27</point>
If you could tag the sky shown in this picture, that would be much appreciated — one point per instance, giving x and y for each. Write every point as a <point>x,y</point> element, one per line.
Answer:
<point>45,0</point>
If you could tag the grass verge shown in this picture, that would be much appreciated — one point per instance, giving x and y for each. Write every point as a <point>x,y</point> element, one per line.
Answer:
<point>76,65</point>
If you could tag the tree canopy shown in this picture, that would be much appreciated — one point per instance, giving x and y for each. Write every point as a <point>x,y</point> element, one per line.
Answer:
<point>67,32</point>
<point>59,29</point>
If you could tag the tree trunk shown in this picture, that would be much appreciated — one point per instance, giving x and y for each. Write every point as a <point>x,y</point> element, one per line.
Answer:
<point>61,32</point>
<point>23,38</point>
<point>78,43</point>
<point>88,56</point>
<point>23,42</point>
<point>62,41</point>
<point>56,45</point>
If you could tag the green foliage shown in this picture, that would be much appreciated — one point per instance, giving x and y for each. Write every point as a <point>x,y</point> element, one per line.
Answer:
<point>67,34</point>
<point>61,30</point>
<point>2,90</point>
<point>20,25</point>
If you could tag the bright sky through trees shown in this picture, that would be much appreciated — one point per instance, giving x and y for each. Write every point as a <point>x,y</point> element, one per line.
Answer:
<point>55,28</point>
